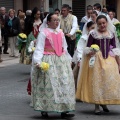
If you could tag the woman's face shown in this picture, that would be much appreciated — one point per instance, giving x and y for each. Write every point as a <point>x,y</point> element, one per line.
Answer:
<point>102,24</point>
<point>91,27</point>
<point>111,15</point>
<point>19,12</point>
<point>57,13</point>
<point>89,13</point>
<point>12,14</point>
<point>54,22</point>
<point>37,15</point>
<point>93,17</point>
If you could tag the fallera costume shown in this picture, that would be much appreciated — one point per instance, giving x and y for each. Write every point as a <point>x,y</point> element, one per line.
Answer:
<point>100,84</point>
<point>32,36</point>
<point>53,90</point>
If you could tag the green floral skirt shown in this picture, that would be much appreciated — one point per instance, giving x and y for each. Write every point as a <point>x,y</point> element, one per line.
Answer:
<point>54,90</point>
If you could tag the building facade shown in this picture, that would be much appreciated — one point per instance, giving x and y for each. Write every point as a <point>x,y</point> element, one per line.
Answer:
<point>78,6</point>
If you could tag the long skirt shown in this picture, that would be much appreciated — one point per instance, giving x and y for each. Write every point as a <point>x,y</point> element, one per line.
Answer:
<point>29,87</point>
<point>76,73</point>
<point>54,90</point>
<point>25,59</point>
<point>99,84</point>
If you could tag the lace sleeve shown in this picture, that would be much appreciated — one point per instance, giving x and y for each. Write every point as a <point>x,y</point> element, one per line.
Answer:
<point>116,51</point>
<point>87,50</point>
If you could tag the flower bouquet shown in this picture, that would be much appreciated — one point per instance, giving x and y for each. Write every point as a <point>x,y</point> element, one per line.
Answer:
<point>94,48</point>
<point>78,35</point>
<point>31,47</point>
<point>22,38</point>
<point>44,66</point>
<point>117,25</point>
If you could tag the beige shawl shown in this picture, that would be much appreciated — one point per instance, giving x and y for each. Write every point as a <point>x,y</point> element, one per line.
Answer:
<point>66,24</point>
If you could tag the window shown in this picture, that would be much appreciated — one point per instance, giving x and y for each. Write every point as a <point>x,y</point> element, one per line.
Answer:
<point>50,2</point>
<point>53,4</point>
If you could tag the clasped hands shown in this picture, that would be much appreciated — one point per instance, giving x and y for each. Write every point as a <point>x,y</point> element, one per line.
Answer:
<point>68,35</point>
<point>92,53</point>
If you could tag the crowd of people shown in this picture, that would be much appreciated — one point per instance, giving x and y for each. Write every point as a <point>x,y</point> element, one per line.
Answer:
<point>63,70</point>
<point>12,25</point>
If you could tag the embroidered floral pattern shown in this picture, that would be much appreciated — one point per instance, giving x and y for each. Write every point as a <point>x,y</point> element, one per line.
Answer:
<point>54,90</point>
<point>106,83</point>
<point>97,36</point>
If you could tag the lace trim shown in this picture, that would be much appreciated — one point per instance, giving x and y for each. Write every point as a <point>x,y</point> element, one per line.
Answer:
<point>105,80</point>
<point>116,51</point>
<point>87,50</point>
<point>96,35</point>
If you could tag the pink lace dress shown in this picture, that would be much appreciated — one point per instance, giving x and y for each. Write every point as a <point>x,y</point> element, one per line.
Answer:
<point>54,90</point>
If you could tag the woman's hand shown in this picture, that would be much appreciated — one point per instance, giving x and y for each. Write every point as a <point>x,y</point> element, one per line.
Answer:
<point>35,41</point>
<point>92,53</point>
<point>78,64</point>
<point>72,65</point>
<point>68,35</point>
<point>37,66</point>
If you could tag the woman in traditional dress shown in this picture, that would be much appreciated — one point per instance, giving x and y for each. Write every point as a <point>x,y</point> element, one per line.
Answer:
<point>22,51</point>
<point>22,21</point>
<point>53,90</point>
<point>83,40</point>
<point>94,16</point>
<point>115,22</point>
<point>112,17</point>
<point>32,31</point>
<point>100,83</point>
<point>80,47</point>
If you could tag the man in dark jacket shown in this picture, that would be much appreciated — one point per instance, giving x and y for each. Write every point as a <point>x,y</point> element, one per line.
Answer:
<point>3,18</point>
<point>28,17</point>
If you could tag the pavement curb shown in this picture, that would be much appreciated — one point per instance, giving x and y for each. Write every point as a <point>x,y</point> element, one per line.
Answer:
<point>8,60</point>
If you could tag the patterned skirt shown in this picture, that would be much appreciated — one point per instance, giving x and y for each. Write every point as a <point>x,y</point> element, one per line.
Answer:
<point>99,84</point>
<point>54,90</point>
<point>25,59</point>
